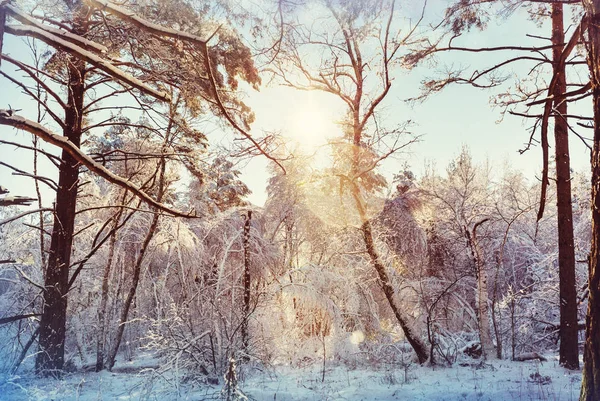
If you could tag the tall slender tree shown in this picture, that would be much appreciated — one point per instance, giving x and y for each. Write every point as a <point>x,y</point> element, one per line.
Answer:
<point>569,344</point>
<point>590,385</point>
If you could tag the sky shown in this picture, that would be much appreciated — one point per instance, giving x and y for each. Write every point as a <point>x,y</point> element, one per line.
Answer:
<point>446,121</point>
<point>459,115</point>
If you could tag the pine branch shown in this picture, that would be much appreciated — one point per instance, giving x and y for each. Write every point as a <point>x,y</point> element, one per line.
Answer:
<point>95,60</point>
<point>68,36</point>
<point>7,118</point>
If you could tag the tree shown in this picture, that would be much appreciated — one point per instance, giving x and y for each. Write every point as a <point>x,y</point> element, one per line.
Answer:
<point>79,65</point>
<point>590,385</point>
<point>461,17</point>
<point>161,187</point>
<point>462,204</point>
<point>569,344</point>
<point>356,67</point>
<point>247,281</point>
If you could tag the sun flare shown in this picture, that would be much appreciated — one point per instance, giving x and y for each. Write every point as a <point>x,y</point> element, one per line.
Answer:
<point>310,128</point>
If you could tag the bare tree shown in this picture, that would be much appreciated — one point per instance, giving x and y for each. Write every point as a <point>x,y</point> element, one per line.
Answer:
<point>358,55</point>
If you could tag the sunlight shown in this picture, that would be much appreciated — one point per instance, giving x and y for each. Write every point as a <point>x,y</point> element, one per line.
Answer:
<point>296,200</point>
<point>310,127</point>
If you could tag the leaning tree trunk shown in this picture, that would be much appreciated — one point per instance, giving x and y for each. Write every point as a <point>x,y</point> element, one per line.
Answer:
<point>137,271</point>
<point>137,268</point>
<point>590,386</point>
<point>569,348</point>
<point>50,357</point>
<point>367,233</point>
<point>384,280</point>
<point>100,340</point>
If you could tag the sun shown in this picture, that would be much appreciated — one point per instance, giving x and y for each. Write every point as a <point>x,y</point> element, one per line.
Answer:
<point>311,128</point>
<point>305,119</point>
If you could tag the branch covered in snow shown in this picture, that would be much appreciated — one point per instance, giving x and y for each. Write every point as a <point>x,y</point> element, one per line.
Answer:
<point>159,30</point>
<point>75,39</point>
<point>226,114</point>
<point>16,200</point>
<point>143,24</point>
<point>10,319</point>
<point>58,43</point>
<point>7,118</point>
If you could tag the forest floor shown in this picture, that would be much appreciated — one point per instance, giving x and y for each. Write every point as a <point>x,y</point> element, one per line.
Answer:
<point>498,381</point>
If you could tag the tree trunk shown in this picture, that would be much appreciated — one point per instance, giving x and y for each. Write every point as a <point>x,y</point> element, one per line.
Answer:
<point>137,271</point>
<point>100,340</point>
<point>50,357</point>
<point>137,268</point>
<point>487,346</point>
<point>414,340</point>
<point>590,385</point>
<point>416,343</point>
<point>246,238</point>
<point>569,348</point>
<point>481,294</point>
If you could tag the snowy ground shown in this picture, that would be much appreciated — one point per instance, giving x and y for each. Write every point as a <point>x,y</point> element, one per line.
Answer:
<point>502,381</point>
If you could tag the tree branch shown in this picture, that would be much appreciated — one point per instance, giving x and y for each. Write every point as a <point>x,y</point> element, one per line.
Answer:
<point>5,320</point>
<point>38,130</point>
<point>68,47</point>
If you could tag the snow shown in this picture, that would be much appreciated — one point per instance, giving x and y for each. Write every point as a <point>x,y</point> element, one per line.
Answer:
<point>496,381</point>
<point>76,39</point>
<point>57,42</point>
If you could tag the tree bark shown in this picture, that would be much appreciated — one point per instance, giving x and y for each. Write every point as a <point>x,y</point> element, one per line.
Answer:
<point>481,294</point>
<point>50,358</point>
<point>590,385</point>
<point>246,238</point>
<point>569,348</point>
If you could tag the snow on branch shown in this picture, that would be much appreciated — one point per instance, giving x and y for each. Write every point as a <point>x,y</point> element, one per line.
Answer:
<point>13,200</point>
<point>7,118</point>
<point>226,114</point>
<point>145,25</point>
<point>11,319</point>
<point>75,39</point>
<point>58,43</point>
<point>16,200</point>
<point>202,44</point>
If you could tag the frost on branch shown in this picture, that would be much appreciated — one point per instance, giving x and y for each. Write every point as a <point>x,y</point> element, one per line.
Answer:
<point>63,143</point>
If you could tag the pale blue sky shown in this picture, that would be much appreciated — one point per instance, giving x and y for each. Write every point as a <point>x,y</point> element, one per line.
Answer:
<point>447,120</point>
<point>458,115</point>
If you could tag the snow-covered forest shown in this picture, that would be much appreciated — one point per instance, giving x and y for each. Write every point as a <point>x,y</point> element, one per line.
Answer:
<point>137,263</point>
